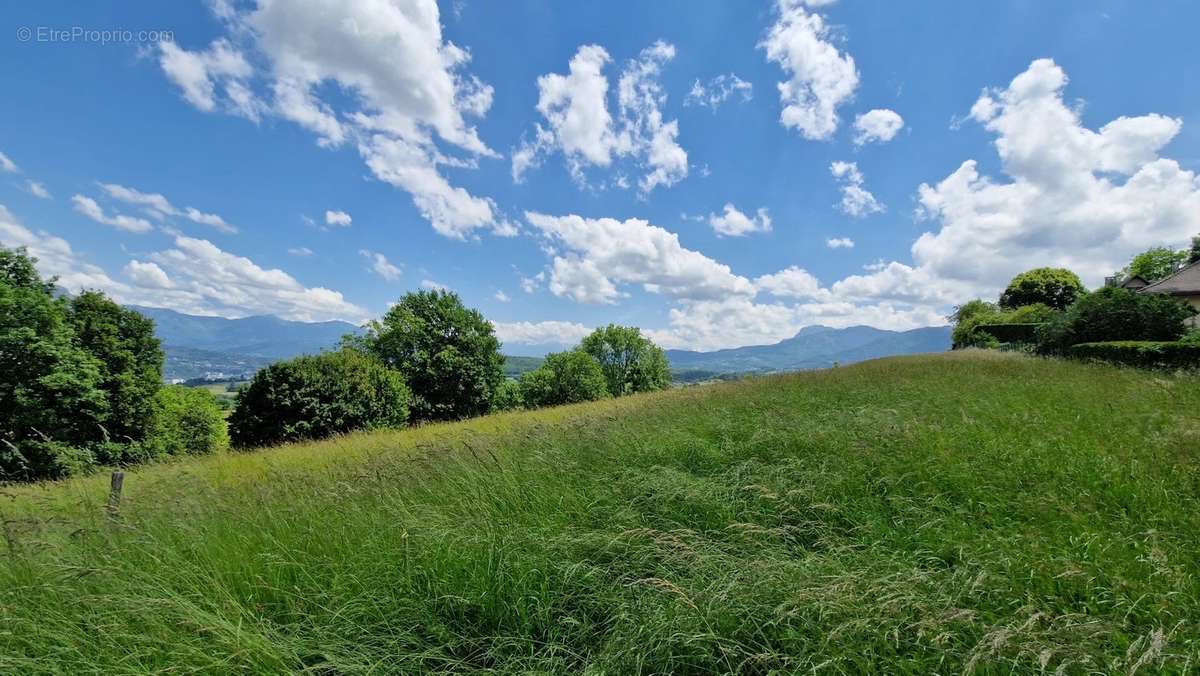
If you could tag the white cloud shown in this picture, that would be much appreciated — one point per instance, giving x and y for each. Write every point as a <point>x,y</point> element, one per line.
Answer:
<point>531,284</point>
<point>37,190</point>
<point>194,277</point>
<point>718,90</point>
<point>377,74</point>
<point>579,124</point>
<point>821,78</point>
<point>88,207</point>
<point>1083,199</point>
<point>198,75</point>
<point>601,253</point>
<point>793,282</point>
<point>502,297</point>
<point>880,125</point>
<point>158,206</point>
<point>839,243</point>
<point>433,286</point>
<point>8,165</point>
<point>735,224</point>
<point>381,266</point>
<point>856,200</point>
<point>540,333</point>
<point>338,219</point>
<point>301,251</point>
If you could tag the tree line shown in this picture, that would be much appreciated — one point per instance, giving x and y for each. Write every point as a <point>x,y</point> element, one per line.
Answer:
<point>430,358</point>
<point>81,379</point>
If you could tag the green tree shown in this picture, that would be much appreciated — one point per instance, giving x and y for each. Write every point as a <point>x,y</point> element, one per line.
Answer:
<point>630,361</point>
<point>447,353</point>
<point>1194,252</point>
<point>971,309</point>
<point>317,396</point>
<point>187,421</point>
<point>508,396</point>
<point>564,378</point>
<point>1054,287</point>
<point>1114,313</point>
<point>131,357</point>
<point>1156,263</point>
<point>51,404</point>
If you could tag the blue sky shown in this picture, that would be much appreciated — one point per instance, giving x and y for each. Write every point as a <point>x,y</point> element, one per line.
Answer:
<point>698,169</point>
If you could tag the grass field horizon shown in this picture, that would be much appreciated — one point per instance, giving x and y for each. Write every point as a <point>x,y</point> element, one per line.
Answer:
<point>971,512</point>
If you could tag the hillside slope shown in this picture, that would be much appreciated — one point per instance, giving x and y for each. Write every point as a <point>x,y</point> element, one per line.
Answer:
<point>966,512</point>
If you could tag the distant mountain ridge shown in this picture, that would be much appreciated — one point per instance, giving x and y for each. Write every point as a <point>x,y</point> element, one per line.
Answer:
<point>258,336</point>
<point>814,347</point>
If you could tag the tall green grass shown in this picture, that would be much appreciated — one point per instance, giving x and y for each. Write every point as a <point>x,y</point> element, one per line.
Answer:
<point>961,513</point>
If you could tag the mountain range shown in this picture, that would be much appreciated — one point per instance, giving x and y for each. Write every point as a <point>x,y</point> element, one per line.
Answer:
<point>230,349</point>
<point>812,348</point>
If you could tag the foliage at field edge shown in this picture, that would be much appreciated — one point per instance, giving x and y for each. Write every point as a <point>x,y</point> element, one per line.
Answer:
<point>974,512</point>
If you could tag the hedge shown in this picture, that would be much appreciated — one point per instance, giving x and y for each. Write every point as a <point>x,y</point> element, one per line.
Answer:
<point>1011,333</point>
<point>1143,353</point>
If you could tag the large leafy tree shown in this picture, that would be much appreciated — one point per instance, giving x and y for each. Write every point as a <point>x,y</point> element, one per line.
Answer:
<point>187,421</point>
<point>448,354</point>
<point>1156,263</point>
<point>1054,287</point>
<point>630,361</point>
<point>564,378</point>
<point>1194,252</point>
<point>131,357</point>
<point>317,396</point>
<point>50,399</point>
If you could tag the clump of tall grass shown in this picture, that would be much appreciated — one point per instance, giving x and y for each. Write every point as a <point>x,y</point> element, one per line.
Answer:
<point>965,512</point>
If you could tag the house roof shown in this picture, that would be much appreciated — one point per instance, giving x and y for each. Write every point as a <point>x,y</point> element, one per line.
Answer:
<point>1185,282</point>
<point>1136,282</point>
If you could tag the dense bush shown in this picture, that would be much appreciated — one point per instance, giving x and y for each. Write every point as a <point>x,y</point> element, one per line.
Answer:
<point>630,361</point>
<point>187,421</point>
<point>564,378</point>
<point>448,354</point>
<point>316,396</point>
<point>1054,287</point>
<point>1144,353</point>
<point>508,396</point>
<point>981,324</point>
<point>1115,314</point>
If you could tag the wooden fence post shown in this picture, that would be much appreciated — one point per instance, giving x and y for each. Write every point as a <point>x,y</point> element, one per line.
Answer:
<point>114,493</point>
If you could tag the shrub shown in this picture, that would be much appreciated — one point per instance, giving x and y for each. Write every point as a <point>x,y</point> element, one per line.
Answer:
<point>508,396</point>
<point>317,396</point>
<point>630,361</point>
<point>1115,314</point>
<point>1010,333</point>
<point>984,325</point>
<point>1054,287</point>
<point>564,378</point>
<point>448,354</point>
<point>187,421</point>
<point>1141,353</point>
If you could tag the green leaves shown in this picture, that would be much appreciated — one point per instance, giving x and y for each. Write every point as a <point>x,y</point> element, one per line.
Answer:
<point>630,361</point>
<point>1054,287</point>
<point>564,378</point>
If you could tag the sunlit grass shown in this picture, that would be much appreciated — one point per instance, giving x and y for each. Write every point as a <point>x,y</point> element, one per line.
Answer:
<point>964,512</point>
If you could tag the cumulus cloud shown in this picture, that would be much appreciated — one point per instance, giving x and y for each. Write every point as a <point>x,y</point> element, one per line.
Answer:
<point>734,223</point>
<point>159,207</point>
<point>839,243</point>
<point>598,254</point>
<point>433,286</point>
<point>502,297</point>
<point>579,125</point>
<point>718,90</point>
<point>856,200</point>
<point>821,77</point>
<point>377,75</point>
<point>339,219</point>
<point>8,165</point>
<point>1078,198</point>
<point>877,126</point>
<point>540,333</point>
<point>88,207</point>
<point>381,266</point>
<point>793,282</point>
<point>55,256</point>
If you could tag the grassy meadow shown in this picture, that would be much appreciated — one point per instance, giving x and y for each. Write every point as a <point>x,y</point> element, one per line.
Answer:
<point>973,512</point>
